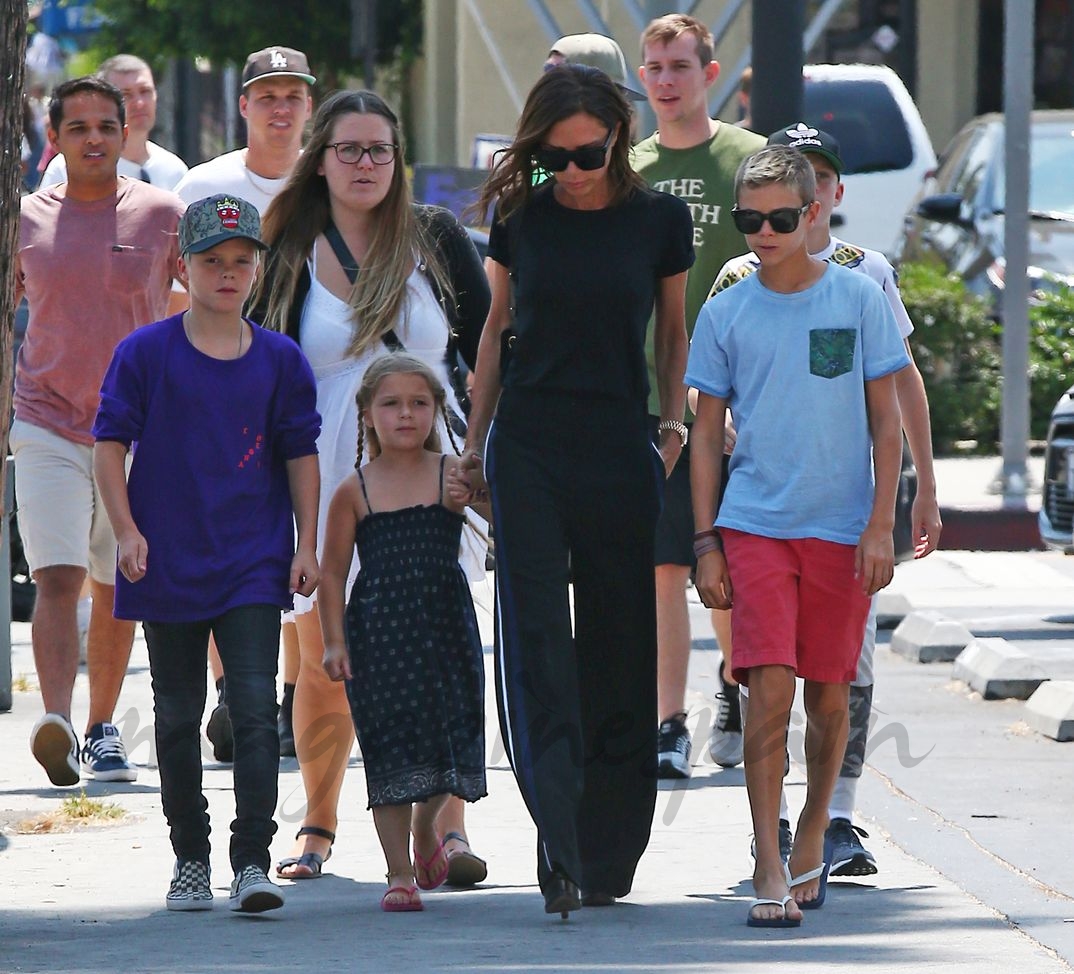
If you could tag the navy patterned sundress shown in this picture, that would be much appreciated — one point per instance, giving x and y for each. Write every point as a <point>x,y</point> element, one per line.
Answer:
<point>417,696</point>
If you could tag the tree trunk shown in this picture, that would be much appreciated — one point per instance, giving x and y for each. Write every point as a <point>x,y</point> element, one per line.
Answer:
<point>12,71</point>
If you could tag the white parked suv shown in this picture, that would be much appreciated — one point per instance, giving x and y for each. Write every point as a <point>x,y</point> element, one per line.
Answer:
<point>883,143</point>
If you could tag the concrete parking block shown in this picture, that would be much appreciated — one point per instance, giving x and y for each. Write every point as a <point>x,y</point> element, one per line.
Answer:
<point>1050,710</point>
<point>891,609</point>
<point>998,670</point>
<point>930,637</point>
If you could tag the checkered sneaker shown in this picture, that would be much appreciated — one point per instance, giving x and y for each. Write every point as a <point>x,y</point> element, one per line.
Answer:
<point>253,892</point>
<point>189,889</point>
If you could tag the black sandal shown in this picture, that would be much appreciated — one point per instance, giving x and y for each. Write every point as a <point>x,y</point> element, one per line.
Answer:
<point>313,861</point>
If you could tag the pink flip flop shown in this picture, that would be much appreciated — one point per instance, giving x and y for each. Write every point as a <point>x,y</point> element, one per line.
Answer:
<point>436,879</point>
<point>412,904</point>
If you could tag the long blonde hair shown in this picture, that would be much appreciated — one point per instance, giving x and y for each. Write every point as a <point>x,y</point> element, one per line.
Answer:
<point>398,363</point>
<point>302,211</point>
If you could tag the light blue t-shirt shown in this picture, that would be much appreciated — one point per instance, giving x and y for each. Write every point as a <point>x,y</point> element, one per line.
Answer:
<point>793,368</point>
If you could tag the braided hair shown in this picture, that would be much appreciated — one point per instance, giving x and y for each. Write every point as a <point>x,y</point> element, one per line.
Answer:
<point>393,364</point>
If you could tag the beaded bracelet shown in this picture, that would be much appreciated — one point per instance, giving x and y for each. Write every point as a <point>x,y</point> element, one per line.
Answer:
<point>706,541</point>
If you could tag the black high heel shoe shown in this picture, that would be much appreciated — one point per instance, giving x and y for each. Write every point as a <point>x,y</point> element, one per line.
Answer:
<point>561,895</point>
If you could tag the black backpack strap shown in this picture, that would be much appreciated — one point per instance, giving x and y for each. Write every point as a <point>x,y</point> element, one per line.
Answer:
<point>350,268</point>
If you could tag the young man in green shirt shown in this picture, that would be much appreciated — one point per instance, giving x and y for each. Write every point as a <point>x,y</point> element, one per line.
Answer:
<point>694,157</point>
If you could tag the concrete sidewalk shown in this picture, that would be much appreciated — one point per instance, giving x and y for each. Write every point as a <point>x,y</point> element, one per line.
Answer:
<point>92,900</point>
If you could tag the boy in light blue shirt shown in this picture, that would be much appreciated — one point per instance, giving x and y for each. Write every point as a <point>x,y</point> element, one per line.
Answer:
<point>804,353</point>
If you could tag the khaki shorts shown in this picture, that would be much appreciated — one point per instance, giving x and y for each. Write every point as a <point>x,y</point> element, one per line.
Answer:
<point>61,518</point>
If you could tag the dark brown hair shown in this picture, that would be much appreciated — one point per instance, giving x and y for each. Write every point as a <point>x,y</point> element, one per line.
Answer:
<point>559,94</point>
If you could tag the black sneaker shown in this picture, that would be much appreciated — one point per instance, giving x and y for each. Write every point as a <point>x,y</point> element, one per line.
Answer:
<point>189,889</point>
<point>673,749</point>
<point>287,734</point>
<point>253,892</point>
<point>786,842</point>
<point>844,852</point>
<point>725,739</point>
<point>218,730</point>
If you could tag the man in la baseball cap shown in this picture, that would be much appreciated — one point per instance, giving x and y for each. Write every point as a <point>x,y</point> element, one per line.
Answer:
<point>597,51</point>
<point>276,62</point>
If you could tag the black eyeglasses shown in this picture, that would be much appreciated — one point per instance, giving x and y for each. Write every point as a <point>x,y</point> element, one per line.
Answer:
<point>587,158</point>
<point>350,153</point>
<point>783,220</point>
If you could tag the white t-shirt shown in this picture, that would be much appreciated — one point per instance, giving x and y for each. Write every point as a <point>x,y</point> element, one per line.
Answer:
<point>871,263</point>
<point>162,168</point>
<point>228,174</point>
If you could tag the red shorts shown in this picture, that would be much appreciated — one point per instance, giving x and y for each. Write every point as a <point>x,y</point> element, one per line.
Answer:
<point>797,604</point>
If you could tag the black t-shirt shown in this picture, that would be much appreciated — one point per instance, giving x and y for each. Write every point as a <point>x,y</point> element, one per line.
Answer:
<point>585,285</point>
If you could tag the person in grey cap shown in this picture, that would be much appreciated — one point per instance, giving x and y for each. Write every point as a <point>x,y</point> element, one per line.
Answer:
<point>224,415</point>
<point>597,51</point>
<point>276,102</point>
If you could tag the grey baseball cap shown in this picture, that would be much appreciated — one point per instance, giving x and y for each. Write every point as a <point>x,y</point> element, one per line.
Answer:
<point>601,52</point>
<point>218,218</point>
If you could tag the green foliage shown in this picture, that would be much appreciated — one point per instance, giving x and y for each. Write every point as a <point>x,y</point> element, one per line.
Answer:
<point>1051,355</point>
<point>228,31</point>
<point>957,348</point>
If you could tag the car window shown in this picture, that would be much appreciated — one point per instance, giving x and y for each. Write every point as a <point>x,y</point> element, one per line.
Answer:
<point>1051,162</point>
<point>865,118</point>
<point>973,174</point>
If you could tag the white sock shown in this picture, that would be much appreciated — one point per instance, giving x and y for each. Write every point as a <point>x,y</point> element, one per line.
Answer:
<point>844,799</point>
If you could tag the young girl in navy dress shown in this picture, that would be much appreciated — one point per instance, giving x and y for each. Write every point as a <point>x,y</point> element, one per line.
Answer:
<point>408,642</point>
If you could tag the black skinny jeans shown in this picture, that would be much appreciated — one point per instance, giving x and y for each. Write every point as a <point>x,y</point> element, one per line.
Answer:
<point>248,638</point>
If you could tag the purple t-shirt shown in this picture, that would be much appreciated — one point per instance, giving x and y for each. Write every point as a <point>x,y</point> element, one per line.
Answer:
<point>208,484</point>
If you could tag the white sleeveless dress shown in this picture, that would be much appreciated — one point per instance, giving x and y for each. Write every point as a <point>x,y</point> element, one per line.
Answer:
<point>325,331</point>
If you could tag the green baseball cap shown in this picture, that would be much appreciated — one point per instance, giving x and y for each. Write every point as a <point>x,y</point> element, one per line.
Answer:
<point>218,218</point>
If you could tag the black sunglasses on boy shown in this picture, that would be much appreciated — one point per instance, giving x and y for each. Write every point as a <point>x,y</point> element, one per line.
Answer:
<point>782,220</point>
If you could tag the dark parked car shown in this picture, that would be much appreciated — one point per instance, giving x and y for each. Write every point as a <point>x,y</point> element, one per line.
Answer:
<point>1056,517</point>
<point>957,216</point>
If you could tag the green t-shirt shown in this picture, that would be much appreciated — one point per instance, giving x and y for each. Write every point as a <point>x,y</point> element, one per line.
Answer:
<point>704,178</point>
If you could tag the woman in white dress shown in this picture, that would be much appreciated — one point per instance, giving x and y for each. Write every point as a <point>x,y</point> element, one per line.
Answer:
<point>357,269</point>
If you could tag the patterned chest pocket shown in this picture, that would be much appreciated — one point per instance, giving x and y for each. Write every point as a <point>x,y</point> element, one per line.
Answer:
<point>831,351</point>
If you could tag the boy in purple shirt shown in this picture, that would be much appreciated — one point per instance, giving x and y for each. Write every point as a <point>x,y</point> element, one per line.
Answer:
<point>222,418</point>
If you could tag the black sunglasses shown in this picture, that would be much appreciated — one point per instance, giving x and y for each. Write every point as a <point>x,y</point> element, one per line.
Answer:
<point>587,158</point>
<point>783,220</point>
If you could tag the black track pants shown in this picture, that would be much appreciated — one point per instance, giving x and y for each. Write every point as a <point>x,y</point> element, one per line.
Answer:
<point>575,498</point>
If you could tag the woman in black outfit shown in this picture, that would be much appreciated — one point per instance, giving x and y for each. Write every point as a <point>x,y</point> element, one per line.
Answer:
<point>574,478</point>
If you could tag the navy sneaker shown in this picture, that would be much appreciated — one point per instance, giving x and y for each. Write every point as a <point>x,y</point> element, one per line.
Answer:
<point>673,749</point>
<point>844,852</point>
<point>104,758</point>
<point>786,842</point>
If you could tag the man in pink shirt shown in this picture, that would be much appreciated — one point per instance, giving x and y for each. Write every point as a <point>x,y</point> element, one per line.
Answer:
<point>95,259</point>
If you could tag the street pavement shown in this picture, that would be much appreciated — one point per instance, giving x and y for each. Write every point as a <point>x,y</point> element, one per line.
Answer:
<point>967,811</point>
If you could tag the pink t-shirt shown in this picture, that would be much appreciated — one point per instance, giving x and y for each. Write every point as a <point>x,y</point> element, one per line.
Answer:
<point>92,273</point>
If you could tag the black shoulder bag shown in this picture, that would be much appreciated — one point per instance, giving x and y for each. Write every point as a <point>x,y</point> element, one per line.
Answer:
<point>391,339</point>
